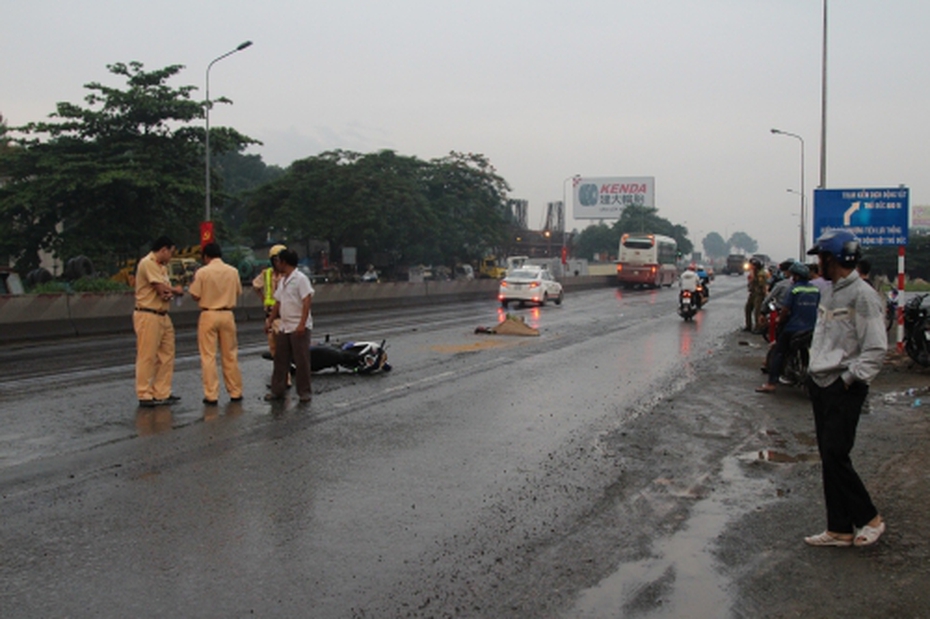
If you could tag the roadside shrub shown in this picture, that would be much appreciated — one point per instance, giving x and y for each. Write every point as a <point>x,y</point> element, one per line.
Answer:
<point>83,284</point>
<point>98,284</point>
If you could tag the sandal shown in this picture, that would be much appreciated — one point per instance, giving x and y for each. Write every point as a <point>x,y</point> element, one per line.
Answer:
<point>869,535</point>
<point>765,389</point>
<point>825,539</point>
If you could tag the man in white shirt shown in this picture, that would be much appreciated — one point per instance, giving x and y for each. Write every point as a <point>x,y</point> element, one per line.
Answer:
<point>293,297</point>
<point>689,279</point>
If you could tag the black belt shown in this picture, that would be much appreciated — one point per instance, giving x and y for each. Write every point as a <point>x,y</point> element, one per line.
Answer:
<point>149,310</point>
<point>216,309</point>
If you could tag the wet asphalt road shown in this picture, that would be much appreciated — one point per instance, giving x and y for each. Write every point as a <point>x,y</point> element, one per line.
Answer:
<point>340,508</point>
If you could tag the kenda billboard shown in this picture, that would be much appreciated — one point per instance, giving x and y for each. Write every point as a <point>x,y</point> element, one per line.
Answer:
<point>606,197</point>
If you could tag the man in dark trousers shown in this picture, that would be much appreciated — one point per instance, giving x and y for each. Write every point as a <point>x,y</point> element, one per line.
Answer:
<point>847,352</point>
<point>293,297</point>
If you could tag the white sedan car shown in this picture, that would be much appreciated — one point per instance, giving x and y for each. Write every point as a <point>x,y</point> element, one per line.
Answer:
<point>529,284</point>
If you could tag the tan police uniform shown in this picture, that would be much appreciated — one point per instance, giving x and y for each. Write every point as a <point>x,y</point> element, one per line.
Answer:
<point>217,287</point>
<point>154,332</point>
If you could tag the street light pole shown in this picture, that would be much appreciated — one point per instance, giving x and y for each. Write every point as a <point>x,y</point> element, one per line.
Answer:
<point>803,248</point>
<point>823,104</point>
<point>242,46</point>
<point>803,214</point>
<point>565,207</point>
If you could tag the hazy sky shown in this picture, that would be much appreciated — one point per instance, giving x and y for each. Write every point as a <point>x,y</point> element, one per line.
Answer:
<point>682,90</point>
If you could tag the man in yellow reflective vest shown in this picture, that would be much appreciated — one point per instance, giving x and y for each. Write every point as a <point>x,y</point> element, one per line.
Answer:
<point>264,284</point>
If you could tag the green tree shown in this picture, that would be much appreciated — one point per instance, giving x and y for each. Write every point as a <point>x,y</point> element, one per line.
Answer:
<point>715,246</point>
<point>884,258</point>
<point>741,240</point>
<point>103,179</point>
<point>441,211</point>
<point>598,238</point>
<point>645,219</point>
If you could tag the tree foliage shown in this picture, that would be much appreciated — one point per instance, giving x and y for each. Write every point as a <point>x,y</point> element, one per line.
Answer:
<point>103,179</point>
<point>646,219</point>
<point>884,258</point>
<point>715,246</point>
<point>601,239</point>
<point>597,239</point>
<point>432,212</point>
<point>741,240</point>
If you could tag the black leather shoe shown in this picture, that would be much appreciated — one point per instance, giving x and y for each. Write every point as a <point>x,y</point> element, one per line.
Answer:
<point>171,399</point>
<point>239,399</point>
<point>268,355</point>
<point>209,402</point>
<point>150,403</point>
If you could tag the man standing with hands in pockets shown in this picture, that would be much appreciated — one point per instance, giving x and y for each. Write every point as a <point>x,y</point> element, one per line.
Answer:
<point>847,352</point>
<point>216,288</point>
<point>293,297</point>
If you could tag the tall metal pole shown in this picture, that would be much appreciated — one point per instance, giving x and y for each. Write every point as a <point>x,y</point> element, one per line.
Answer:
<point>206,211</point>
<point>565,206</point>
<point>823,105</point>
<point>803,214</point>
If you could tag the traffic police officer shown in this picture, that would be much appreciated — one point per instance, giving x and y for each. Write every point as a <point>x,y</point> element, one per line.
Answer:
<point>153,327</point>
<point>264,285</point>
<point>216,288</point>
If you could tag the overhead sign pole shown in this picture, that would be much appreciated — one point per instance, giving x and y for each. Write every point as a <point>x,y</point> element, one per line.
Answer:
<point>876,216</point>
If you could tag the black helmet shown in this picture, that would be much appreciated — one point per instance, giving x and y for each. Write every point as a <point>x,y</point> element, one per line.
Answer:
<point>800,269</point>
<point>841,244</point>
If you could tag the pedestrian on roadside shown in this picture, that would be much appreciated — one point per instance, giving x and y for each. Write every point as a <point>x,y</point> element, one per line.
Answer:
<point>293,298</point>
<point>864,267</point>
<point>817,278</point>
<point>153,326</point>
<point>758,284</point>
<point>847,351</point>
<point>797,314</point>
<point>216,288</point>
<point>264,285</point>
<point>781,287</point>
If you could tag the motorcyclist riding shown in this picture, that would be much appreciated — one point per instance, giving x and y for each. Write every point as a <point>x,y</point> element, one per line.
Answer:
<point>798,314</point>
<point>705,280</point>
<point>688,285</point>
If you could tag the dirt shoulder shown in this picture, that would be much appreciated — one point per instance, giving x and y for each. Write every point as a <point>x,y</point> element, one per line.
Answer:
<point>763,553</point>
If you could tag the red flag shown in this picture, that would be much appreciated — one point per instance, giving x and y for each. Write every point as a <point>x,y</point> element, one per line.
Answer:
<point>206,233</point>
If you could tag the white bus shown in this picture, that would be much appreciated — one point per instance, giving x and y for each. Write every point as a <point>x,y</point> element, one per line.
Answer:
<point>646,260</point>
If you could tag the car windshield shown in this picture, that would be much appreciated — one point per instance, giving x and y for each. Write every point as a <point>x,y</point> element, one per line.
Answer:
<point>524,274</point>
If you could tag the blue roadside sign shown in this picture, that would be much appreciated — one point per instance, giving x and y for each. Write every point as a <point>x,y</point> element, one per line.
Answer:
<point>876,216</point>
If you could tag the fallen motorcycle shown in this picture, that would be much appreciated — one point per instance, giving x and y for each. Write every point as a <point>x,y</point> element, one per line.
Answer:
<point>356,357</point>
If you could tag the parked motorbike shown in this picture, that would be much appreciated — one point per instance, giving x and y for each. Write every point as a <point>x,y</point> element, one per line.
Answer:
<point>917,330</point>
<point>688,303</point>
<point>356,357</point>
<point>794,368</point>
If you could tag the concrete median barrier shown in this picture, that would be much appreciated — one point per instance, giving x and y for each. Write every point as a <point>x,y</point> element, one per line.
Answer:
<point>28,317</point>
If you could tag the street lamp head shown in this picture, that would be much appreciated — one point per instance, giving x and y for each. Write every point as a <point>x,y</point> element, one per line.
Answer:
<point>242,46</point>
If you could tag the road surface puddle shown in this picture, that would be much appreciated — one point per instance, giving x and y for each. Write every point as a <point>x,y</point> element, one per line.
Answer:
<point>680,579</point>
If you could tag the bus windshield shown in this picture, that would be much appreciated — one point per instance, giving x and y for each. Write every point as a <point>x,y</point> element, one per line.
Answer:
<point>638,243</point>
